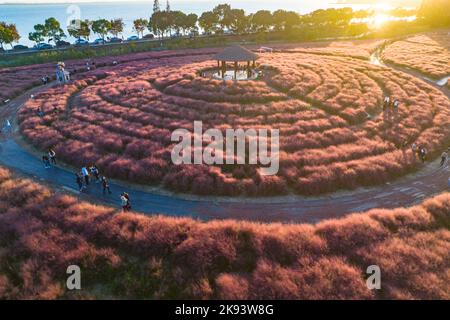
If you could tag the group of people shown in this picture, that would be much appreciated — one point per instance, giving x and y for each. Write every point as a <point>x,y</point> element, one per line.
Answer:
<point>390,104</point>
<point>87,174</point>
<point>420,150</point>
<point>49,158</point>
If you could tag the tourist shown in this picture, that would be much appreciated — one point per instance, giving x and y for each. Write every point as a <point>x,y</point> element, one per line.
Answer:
<point>40,112</point>
<point>105,184</point>
<point>85,174</point>
<point>423,153</point>
<point>46,161</point>
<point>124,202</point>
<point>8,126</point>
<point>391,105</point>
<point>52,156</point>
<point>444,158</point>
<point>79,181</point>
<point>396,104</point>
<point>414,148</point>
<point>386,103</point>
<point>95,172</point>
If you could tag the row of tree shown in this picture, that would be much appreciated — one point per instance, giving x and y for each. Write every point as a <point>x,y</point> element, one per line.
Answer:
<point>223,18</point>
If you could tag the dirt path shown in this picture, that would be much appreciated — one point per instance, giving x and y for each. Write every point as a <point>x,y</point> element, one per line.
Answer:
<point>406,191</point>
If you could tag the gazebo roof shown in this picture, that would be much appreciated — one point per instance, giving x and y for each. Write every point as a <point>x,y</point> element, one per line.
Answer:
<point>236,53</point>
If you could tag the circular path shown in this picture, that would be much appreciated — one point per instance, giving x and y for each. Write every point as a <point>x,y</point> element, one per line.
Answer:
<point>407,191</point>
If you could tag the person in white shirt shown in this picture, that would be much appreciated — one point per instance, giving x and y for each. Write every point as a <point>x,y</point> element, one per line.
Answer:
<point>85,174</point>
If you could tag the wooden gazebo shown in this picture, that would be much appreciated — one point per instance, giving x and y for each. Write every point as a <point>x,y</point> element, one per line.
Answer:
<point>235,54</point>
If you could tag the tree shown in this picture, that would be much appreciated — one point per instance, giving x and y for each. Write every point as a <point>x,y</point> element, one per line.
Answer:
<point>208,21</point>
<point>223,12</point>
<point>8,34</point>
<point>156,6</point>
<point>79,29</point>
<point>35,37</point>
<point>239,22</point>
<point>168,6</point>
<point>178,21</point>
<point>160,23</point>
<point>101,27</point>
<point>435,13</point>
<point>285,20</point>
<point>116,27</point>
<point>262,20</point>
<point>191,23</point>
<point>39,34</point>
<point>139,26</point>
<point>52,30</point>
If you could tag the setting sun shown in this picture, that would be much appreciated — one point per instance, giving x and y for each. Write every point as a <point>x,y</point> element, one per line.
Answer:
<point>380,19</point>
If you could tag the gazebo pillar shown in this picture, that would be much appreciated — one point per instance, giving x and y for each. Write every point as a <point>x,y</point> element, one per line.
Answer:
<point>248,69</point>
<point>224,68</point>
<point>218,67</point>
<point>254,63</point>
<point>235,70</point>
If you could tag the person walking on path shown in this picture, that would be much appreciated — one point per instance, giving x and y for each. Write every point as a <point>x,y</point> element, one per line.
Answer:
<point>444,158</point>
<point>46,161</point>
<point>8,126</point>
<point>85,174</point>
<point>79,181</point>
<point>396,105</point>
<point>414,149</point>
<point>124,202</point>
<point>423,154</point>
<point>52,156</point>
<point>95,172</point>
<point>105,185</point>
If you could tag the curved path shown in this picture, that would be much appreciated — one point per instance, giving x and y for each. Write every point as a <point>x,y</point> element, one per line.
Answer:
<point>407,191</point>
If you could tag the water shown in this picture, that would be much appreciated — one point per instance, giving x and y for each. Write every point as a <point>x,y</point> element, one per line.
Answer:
<point>25,16</point>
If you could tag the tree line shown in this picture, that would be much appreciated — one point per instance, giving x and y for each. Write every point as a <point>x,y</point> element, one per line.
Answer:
<point>222,19</point>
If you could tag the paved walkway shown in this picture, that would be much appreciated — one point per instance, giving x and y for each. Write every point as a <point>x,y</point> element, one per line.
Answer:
<point>407,191</point>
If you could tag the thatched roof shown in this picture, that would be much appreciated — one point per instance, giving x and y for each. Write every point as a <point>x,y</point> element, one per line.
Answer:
<point>236,53</point>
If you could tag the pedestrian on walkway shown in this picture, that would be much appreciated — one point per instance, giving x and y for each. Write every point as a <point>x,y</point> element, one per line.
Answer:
<point>95,172</point>
<point>40,112</point>
<point>444,158</point>
<point>124,202</point>
<point>52,156</point>
<point>423,153</point>
<point>85,174</point>
<point>46,161</point>
<point>386,103</point>
<point>414,148</point>
<point>8,126</point>
<point>79,181</point>
<point>105,184</point>
<point>396,105</point>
